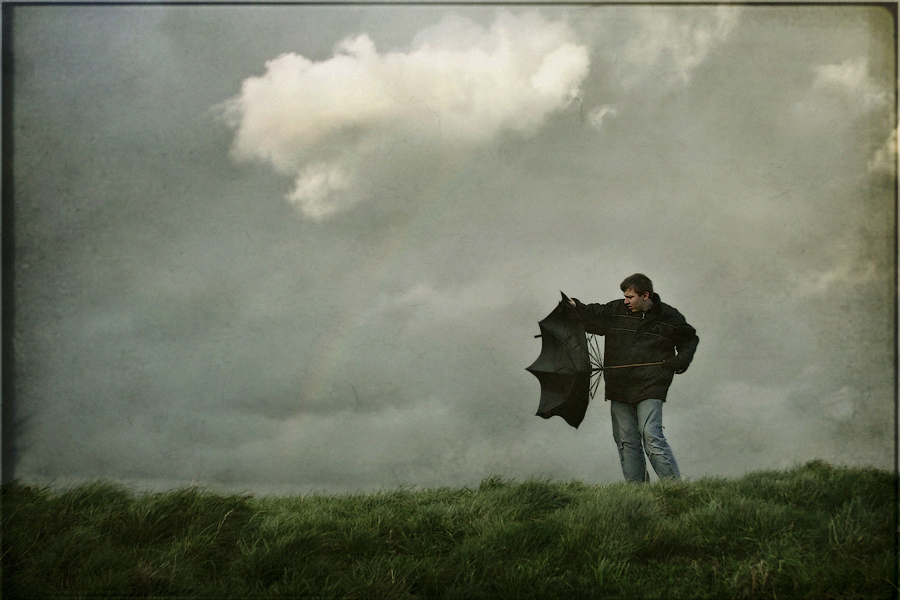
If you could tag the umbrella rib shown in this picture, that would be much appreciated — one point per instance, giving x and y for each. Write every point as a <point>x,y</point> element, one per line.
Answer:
<point>595,387</point>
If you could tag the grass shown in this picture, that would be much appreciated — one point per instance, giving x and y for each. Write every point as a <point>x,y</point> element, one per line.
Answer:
<point>815,531</point>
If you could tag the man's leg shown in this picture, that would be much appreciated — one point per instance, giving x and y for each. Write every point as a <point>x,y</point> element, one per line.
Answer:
<point>649,417</point>
<point>627,434</point>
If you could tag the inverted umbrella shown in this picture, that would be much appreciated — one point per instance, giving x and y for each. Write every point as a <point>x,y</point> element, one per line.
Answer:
<point>564,367</point>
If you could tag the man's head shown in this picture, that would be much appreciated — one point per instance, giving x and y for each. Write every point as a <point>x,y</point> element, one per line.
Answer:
<point>638,290</point>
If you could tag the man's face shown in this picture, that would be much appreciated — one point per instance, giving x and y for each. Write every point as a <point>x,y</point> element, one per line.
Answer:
<point>636,303</point>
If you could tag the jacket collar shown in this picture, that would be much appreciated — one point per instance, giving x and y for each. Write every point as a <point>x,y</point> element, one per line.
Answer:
<point>655,309</point>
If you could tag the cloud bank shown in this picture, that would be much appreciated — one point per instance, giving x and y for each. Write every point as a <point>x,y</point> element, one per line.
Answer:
<point>460,83</point>
<point>176,325</point>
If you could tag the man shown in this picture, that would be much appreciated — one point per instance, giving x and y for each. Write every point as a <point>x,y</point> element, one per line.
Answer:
<point>640,329</point>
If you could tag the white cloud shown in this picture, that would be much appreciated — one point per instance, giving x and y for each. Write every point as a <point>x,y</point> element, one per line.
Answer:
<point>849,271</point>
<point>851,80</point>
<point>885,159</point>
<point>320,121</point>
<point>840,93</point>
<point>320,190</point>
<point>599,114</point>
<point>671,44</point>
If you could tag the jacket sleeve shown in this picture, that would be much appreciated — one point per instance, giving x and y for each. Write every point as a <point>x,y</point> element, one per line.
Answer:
<point>595,317</point>
<point>686,342</point>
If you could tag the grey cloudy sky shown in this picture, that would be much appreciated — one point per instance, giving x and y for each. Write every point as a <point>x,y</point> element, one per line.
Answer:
<point>293,248</point>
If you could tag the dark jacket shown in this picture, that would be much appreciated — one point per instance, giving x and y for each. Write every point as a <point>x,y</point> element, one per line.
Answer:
<point>660,334</point>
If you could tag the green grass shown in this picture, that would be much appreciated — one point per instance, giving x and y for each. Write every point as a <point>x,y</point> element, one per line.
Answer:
<point>816,532</point>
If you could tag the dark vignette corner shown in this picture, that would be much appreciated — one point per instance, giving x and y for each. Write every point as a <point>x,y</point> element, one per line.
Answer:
<point>7,219</point>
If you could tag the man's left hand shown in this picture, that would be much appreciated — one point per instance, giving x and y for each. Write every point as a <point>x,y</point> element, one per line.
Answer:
<point>674,364</point>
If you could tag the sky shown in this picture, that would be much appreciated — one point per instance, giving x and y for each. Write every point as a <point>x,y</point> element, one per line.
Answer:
<point>304,249</point>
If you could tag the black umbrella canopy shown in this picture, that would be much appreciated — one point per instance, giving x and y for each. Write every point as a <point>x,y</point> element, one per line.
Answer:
<point>564,365</point>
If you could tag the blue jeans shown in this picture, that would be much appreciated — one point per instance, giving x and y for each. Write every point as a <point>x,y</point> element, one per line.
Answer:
<point>637,429</point>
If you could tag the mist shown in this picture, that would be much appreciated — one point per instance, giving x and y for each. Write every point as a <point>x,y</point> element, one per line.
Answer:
<point>314,260</point>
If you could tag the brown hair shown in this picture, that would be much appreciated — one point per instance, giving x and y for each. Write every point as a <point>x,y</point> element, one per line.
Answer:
<point>638,282</point>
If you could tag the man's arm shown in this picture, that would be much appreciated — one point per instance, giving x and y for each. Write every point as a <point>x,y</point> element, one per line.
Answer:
<point>685,345</point>
<point>594,316</point>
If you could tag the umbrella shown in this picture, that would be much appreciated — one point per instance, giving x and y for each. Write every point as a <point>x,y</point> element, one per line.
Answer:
<point>564,367</point>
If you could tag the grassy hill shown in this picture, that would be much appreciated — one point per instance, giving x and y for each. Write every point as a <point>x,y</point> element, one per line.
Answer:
<point>815,531</point>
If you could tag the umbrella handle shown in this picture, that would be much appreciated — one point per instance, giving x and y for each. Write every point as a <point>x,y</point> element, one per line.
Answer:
<point>623,366</point>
